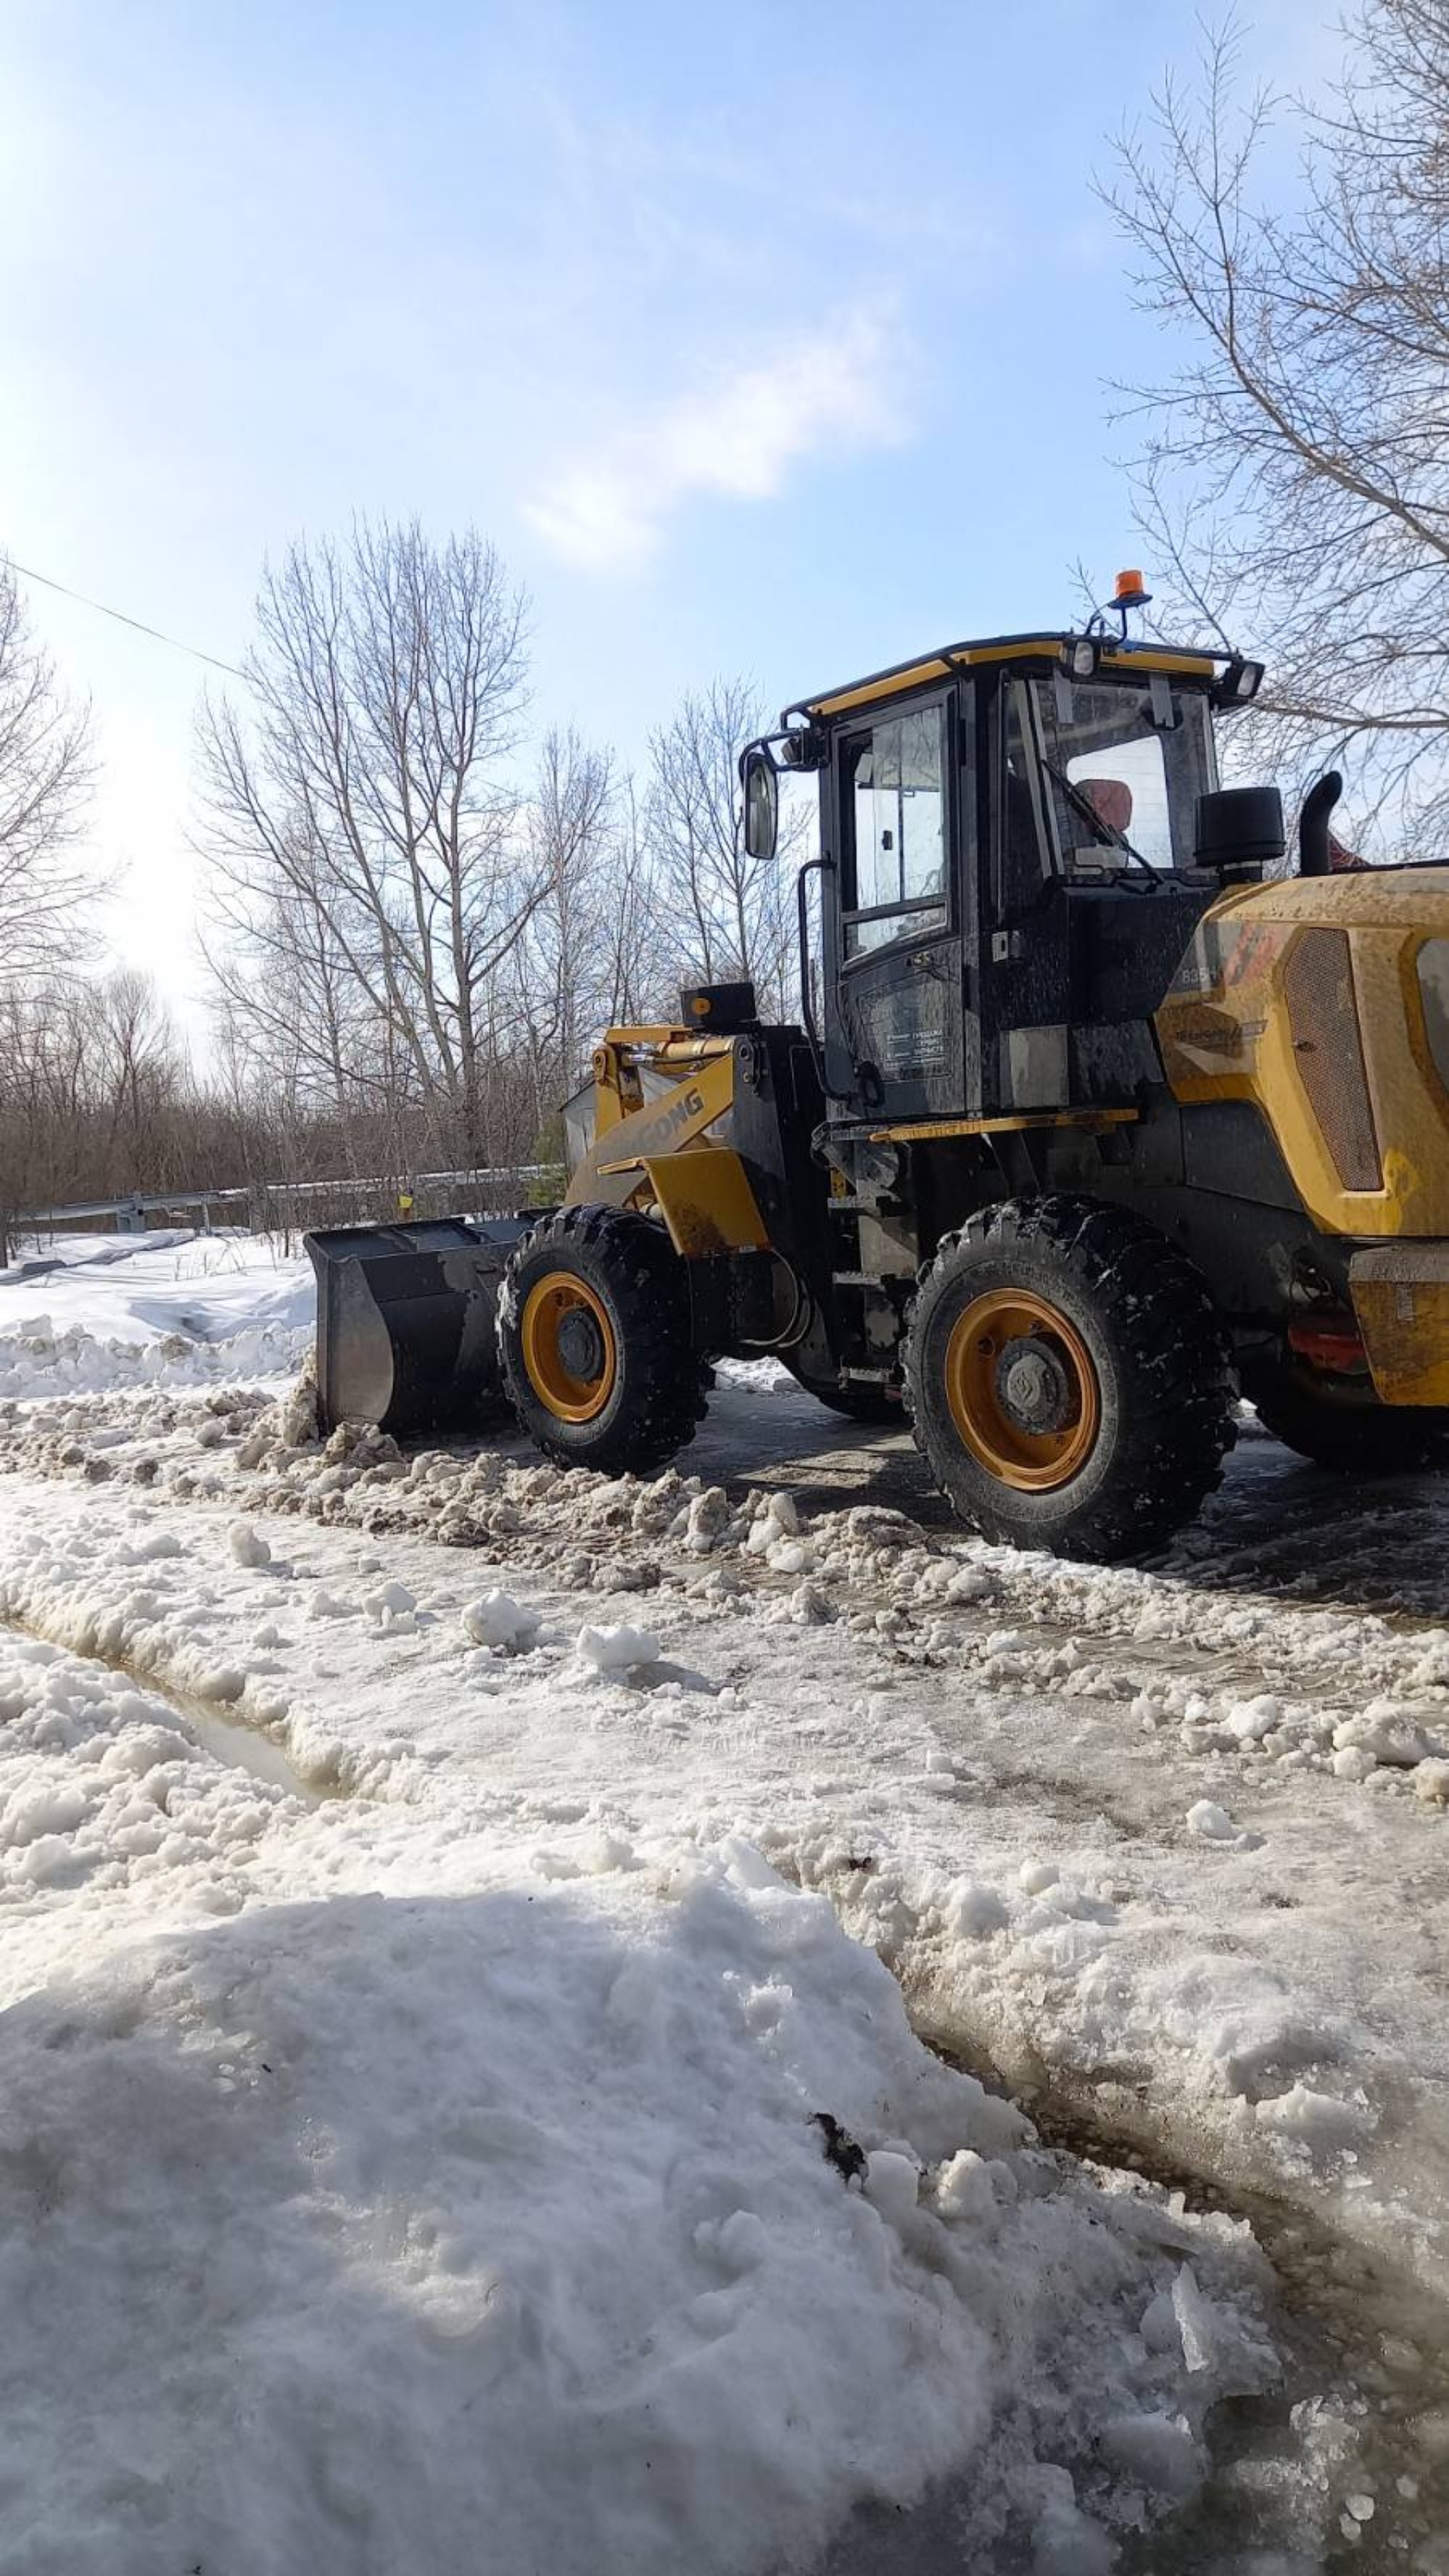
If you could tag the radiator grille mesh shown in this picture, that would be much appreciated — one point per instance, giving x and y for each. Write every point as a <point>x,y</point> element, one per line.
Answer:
<point>1323,1018</point>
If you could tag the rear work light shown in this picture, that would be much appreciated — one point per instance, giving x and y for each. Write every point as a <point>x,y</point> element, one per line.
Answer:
<point>1240,682</point>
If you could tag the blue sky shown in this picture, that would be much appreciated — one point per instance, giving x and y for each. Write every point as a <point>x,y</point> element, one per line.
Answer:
<point>769,339</point>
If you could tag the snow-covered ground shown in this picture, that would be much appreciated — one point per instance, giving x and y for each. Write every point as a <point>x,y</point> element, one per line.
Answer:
<point>429,2139</point>
<point>162,1309</point>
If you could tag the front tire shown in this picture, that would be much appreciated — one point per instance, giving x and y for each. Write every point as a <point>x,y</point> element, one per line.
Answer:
<point>594,1342</point>
<point>1068,1382</point>
<point>1346,1429</point>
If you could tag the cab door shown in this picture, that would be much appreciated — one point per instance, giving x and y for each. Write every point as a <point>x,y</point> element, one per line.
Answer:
<point>900,1040</point>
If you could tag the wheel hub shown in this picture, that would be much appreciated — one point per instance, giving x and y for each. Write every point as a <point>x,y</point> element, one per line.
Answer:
<point>568,1347</point>
<point>1033,1388</point>
<point>581,1345</point>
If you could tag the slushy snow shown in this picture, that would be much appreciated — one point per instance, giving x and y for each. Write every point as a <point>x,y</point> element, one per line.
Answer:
<point>457,2078</point>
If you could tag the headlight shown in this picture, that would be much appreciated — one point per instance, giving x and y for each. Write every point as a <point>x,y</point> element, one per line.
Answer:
<point>1434,992</point>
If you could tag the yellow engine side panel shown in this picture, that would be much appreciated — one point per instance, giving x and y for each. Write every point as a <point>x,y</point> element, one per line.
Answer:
<point>1327,1037</point>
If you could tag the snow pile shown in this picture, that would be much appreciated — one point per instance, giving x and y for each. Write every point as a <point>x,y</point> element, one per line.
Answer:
<point>168,1310</point>
<point>389,2193</point>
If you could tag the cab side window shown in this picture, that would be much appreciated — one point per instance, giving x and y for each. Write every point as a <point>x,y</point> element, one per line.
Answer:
<point>895,800</point>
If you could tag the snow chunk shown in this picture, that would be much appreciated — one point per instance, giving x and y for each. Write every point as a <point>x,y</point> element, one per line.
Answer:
<point>892,2182</point>
<point>1065,2541</point>
<point>1351,1762</point>
<point>394,1607</point>
<point>1431,1783</point>
<point>974,1911</point>
<point>617,1650</point>
<point>964,2187</point>
<point>706,1520</point>
<point>1251,1719</point>
<point>1212,1823</point>
<point>328,1605</point>
<point>1196,2321</point>
<point>225,1683</point>
<point>1159,2449</point>
<point>1159,2328</point>
<point>247,1545</point>
<point>500,1621</point>
<point>1321,2120</point>
<point>1035,1876</point>
<point>1387,1732</point>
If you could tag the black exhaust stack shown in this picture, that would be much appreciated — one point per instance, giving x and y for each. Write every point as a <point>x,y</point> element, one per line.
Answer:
<point>1314,856</point>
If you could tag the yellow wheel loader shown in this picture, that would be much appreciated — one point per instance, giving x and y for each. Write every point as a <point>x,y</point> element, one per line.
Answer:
<point>1095,1118</point>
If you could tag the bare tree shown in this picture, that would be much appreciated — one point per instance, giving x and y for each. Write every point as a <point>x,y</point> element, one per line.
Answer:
<point>373,874</point>
<point>45,778</point>
<point>728,913</point>
<point>1295,477</point>
<point>559,962</point>
<point>637,957</point>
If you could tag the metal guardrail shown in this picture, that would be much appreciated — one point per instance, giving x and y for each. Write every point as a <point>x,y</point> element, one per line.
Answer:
<point>130,1213</point>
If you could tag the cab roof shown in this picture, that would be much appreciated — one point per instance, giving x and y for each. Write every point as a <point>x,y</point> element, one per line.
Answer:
<point>950,658</point>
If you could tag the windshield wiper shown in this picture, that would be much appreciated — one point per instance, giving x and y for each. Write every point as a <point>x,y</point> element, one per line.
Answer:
<point>1102,830</point>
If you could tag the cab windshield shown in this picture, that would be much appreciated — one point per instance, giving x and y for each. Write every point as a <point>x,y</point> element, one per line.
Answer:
<point>1124,764</point>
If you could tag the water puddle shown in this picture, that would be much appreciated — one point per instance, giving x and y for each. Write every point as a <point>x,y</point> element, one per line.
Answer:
<point>243,1747</point>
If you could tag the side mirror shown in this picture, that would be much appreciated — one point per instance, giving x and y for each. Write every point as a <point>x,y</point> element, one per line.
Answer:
<point>762,803</point>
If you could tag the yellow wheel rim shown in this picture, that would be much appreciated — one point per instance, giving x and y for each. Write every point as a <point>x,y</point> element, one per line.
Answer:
<point>1022,1389</point>
<point>569,1349</point>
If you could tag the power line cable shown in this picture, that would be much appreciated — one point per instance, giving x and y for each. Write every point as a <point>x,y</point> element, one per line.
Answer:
<point>122,619</point>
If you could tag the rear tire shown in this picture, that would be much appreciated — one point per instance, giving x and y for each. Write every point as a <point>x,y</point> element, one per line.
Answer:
<point>594,1342</point>
<point>1068,1382</point>
<point>1352,1435</point>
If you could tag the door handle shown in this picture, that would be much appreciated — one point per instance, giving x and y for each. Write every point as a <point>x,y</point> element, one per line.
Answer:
<point>821,868</point>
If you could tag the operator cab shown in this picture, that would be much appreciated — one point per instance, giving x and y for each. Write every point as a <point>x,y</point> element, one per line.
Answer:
<point>1017,840</point>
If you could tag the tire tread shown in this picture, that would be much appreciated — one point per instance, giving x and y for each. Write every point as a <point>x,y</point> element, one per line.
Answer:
<point>1177,1428</point>
<point>667,1380</point>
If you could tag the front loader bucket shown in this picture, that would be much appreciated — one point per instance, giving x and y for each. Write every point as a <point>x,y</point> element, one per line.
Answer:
<point>406,1320</point>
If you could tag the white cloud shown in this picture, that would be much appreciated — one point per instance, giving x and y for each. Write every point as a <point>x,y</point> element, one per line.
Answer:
<point>839,390</point>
